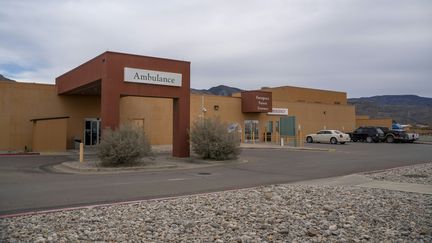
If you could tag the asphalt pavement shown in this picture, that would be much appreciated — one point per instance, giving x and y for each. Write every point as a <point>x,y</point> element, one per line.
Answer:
<point>27,183</point>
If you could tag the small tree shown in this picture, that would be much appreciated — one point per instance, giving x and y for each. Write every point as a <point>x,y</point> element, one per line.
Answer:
<point>123,146</point>
<point>210,139</point>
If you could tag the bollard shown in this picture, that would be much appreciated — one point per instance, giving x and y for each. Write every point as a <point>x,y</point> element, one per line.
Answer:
<point>81,153</point>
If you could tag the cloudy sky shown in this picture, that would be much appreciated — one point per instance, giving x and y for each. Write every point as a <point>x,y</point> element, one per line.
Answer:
<point>363,47</point>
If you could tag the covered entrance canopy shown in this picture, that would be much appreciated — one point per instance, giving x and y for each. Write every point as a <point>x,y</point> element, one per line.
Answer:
<point>113,75</point>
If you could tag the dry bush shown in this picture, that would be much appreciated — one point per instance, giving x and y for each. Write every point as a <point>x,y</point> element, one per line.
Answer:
<point>210,139</point>
<point>124,146</point>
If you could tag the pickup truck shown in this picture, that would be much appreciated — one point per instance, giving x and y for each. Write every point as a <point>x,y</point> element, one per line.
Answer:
<point>398,134</point>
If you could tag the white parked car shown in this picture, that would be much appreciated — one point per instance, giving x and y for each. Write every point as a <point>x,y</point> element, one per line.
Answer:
<point>328,136</point>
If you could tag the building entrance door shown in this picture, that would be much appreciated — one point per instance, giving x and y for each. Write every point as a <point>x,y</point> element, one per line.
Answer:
<point>251,131</point>
<point>92,131</point>
<point>269,131</point>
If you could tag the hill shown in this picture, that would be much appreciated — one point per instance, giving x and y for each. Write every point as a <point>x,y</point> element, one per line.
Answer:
<point>221,90</point>
<point>3,78</point>
<point>405,109</point>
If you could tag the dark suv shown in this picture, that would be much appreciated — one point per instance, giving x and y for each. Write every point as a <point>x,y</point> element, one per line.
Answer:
<point>368,134</point>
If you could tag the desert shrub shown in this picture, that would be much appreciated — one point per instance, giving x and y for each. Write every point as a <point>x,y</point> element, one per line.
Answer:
<point>210,139</point>
<point>123,147</point>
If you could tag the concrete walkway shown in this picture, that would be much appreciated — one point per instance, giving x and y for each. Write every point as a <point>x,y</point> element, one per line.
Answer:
<point>269,145</point>
<point>363,181</point>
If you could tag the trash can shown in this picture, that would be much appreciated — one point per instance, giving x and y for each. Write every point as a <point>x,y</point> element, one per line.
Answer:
<point>77,142</point>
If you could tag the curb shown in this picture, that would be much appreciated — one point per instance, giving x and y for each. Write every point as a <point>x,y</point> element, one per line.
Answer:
<point>99,205</point>
<point>19,154</point>
<point>290,148</point>
<point>360,180</point>
<point>423,142</point>
<point>65,167</point>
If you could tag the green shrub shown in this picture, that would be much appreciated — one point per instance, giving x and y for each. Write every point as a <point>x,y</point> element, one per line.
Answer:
<point>210,139</point>
<point>124,146</point>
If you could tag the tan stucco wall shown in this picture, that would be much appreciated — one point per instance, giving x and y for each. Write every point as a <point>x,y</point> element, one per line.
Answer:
<point>229,108</point>
<point>306,95</point>
<point>50,135</point>
<point>156,114</point>
<point>228,111</point>
<point>314,117</point>
<point>21,102</point>
<point>362,117</point>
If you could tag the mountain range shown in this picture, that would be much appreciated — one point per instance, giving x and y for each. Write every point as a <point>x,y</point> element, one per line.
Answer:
<point>222,90</point>
<point>3,78</point>
<point>405,109</point>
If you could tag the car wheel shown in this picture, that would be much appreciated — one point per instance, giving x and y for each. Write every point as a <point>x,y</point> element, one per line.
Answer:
<point>309,140</point>
<point>333,141</point>
<point>369,140</point>
<point>390,139</point>
<point>342,142</point>
<point>354,140</point>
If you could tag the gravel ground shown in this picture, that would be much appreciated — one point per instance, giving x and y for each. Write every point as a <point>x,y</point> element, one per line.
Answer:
<point>419,174</point>
<point>276,213</point>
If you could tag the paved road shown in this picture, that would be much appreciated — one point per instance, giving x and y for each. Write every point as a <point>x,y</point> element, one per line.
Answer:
<point>26,184</point>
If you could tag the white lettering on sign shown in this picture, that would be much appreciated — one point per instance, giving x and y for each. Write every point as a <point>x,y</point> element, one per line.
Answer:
<point>152,77</point>
<point>279,112</point>
<point>262,101</point>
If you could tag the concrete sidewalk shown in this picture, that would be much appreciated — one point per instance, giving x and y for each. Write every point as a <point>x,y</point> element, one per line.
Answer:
<point>363,181</point>
<point>269,145</point>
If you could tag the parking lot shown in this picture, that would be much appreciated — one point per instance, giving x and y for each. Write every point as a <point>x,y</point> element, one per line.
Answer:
<point>27,184</point>
<point>370,147</point>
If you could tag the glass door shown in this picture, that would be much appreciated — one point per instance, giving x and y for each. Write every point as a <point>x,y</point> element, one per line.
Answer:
<point>251,130</point>
<point>269,131</point>
<point>92,131</point>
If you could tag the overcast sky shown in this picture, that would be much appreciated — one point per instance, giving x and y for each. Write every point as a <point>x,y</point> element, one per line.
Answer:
<point>363,47</point>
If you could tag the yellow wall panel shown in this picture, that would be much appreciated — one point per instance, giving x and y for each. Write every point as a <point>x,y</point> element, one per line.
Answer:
<point>50,135</point>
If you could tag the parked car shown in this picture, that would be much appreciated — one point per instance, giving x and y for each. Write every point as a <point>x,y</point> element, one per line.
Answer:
<point>392,136</point>
<point>368,134</point>
<point>328,136</point>
<point>411,135</point>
